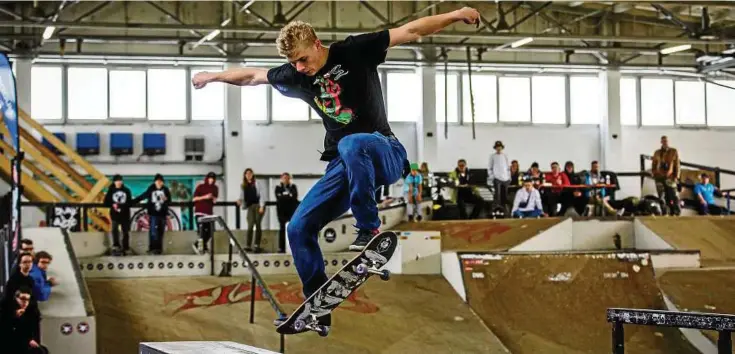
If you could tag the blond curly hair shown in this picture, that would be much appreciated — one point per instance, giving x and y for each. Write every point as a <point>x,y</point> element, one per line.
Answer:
<point>293,36</point>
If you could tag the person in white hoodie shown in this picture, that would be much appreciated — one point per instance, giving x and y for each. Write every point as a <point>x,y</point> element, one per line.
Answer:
<point>527,203</point>
<point>498,174</point>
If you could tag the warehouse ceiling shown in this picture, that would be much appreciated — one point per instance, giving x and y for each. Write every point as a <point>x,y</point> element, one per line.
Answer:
<point>666,33</point>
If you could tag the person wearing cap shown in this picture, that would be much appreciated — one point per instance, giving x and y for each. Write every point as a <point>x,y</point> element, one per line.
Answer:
<point>205,195</point>
<point>117,199</point>
<point>498,174</point>
<point>287,200</point>
<point>158,197</point>
<point>527,202</point>
<point>413,186</point>
<point>705,193</point>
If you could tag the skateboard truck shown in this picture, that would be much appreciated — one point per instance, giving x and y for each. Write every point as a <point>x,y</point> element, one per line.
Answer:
<point>363,269</point>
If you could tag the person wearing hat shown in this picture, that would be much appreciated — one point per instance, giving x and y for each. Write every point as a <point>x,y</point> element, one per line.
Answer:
<point>117,199</point>
<point>205,195</point>
<point>498,174</point>
<point>527,203</point>
<point>705,193</point>
<point>158,197</point>
<point>413,187</point>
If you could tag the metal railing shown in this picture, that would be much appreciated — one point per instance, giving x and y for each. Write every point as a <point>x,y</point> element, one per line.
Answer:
<point>723,324</point>
<point>255,277</point>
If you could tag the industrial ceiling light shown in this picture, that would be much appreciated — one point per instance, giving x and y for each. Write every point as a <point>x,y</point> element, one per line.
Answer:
<point>521,42</point>
<point>48,32</point>
<point>676,49</point>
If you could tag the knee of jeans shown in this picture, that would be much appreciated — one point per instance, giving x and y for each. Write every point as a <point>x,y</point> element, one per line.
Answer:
<point>352,145</point>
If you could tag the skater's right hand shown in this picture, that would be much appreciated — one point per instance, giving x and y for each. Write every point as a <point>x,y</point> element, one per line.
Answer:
<point>33,344</point>
<point>238,202</point>
<point>201,79</point>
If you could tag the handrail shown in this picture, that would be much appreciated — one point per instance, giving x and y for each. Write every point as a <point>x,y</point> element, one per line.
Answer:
<point>694,165</point>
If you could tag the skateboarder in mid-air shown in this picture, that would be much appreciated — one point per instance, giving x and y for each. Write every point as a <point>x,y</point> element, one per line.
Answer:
<point>341,83</point>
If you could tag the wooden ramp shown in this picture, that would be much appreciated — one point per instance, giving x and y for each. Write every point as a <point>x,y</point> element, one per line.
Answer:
<point>557,303</point>
<point>701,290</point>
<point>483,235</point>
<point>713,236</point>
<point>408,314</point>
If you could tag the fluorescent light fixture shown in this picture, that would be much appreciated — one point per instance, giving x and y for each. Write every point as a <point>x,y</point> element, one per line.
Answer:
<point>48,32</point>
<point>521,42</point>
<point>225,22</point>
<point>676,49</point>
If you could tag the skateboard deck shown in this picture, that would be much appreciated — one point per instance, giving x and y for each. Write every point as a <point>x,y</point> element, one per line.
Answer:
<point>339,287</point>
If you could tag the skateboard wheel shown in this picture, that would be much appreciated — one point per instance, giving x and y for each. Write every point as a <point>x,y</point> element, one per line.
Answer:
<point>299,325</point>
<point>361,269</point>
<point>385,275</point>
<point>323,331</point>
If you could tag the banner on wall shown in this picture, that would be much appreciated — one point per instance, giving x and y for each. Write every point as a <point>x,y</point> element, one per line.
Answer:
<point>8,102</point>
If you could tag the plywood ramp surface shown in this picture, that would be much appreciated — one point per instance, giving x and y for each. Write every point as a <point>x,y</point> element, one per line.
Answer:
<point>483,235</point>
<point>701,290</point>
<point>557,303</point>
<point>408,314</point>
<point>713,236</point>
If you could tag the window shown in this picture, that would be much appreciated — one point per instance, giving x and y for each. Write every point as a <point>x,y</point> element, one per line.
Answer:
<point>127,94</point>
<point>87,93</point>
<point>548,97</point>
<point>404,97</point>
<point>208,103</point>
<point>515,99</point>
<point>689,102</point>
<point>254,105</point>
<point>485,92</point>
<point>584,92</point>
<point>288,109</point>
<point>628,101</point>
<point>167,94</point>
<point>657,102</point>
<point>46,101</point>
<point>721,104</point>
<point>452,97</point>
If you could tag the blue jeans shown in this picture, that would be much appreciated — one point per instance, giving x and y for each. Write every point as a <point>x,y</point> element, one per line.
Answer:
<point>527,214</point>
<point>155,234</point>
<point>364,161</point>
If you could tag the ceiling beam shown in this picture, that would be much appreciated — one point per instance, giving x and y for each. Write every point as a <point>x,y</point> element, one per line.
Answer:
<point>375,11</point>
<point>176,19</point>
<point>90,12</point>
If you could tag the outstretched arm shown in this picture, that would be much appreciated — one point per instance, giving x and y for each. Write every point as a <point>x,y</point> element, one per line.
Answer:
<point>425,26</point>
<point>239,77</point>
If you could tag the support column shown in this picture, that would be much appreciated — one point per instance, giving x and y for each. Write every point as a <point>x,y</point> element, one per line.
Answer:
<point>611,133</point>
<point>23,84</point>
<point>426,136</point>
<point>233,145</point>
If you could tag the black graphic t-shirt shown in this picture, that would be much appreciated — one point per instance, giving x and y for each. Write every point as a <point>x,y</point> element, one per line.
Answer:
<point>346,92</point>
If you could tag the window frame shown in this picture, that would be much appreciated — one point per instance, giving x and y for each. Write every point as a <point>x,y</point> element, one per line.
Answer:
<point>706,109</point>
<point>639,87</point>
<point>386,95</point>
<point>569,100</point>
<point>500,75</point>
<point>65,95</point>
<point>109,108</point>
<point>704,98</point>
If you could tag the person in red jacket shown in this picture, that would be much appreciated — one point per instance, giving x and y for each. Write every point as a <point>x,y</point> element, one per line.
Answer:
<point>205,195</point>
<point>556,178</point>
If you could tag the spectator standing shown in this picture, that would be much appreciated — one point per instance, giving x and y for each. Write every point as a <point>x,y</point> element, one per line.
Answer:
<point>464,192</point>
<point>254,203</point>
<point>527,202</point>
<point>498,174</point>
<point>426,178</point>
<point>598,196</point>
<point>205,195</point>
<point>20,276</point>
<point>413,187</point>
<point>117,199</point>
<point>553,195</point>
<point>159,198</point>
<point>705,193</point>
<point>287,200</point>
<point>42,283</point>
<point>20,323</point>
<point>573,200</point>
<point>666,172</point>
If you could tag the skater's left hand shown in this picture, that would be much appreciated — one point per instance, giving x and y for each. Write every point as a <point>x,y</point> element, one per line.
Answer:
<point>468,15</point>
<point>261,210</point>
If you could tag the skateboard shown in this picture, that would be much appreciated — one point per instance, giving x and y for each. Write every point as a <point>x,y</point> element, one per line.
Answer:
<point>339,287</point>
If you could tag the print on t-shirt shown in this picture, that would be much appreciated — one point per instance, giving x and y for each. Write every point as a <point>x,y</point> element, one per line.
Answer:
<point>157,198</point>
<point>119,197</point>
<point>328,99</point>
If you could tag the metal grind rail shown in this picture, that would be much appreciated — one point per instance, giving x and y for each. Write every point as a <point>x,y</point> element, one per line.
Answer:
<point>255,277</point>
<point>723,324</point>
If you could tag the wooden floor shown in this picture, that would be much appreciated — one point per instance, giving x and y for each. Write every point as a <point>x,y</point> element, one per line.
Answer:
<point>483,235</point>
<point>701,290</point>
<point>557,303</point>
<point>408,314</point>
<point>714,236</point>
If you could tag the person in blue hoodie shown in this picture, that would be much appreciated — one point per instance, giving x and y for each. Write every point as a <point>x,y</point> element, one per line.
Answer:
<point>42,283</point>
<point>705,194</point>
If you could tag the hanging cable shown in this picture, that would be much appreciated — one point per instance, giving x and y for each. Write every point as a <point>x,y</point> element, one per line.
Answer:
<point>472,96</point>
<point>446,94</point>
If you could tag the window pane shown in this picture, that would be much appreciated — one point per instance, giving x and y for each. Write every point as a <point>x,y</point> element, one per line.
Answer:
<point>584,94</point>
<point>485,92</point>
<point>549,99</point>
<point>167,94</point>
<point>287,108</point>
<point>404,97</point>
<point>689,102</point>
<point>254,105</point>
<point>452,97</point>
<point>208,103</point>
<point>515,99</point>
<point>657,102</point>
<point>127,94</point>
<point>87,93</point>
<point>721,104</point>
<point>628,102</point>
<point>46,92</point>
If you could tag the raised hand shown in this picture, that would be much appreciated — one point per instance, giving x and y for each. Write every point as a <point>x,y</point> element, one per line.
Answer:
<point>468,15</point>
<point>200,79</point>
